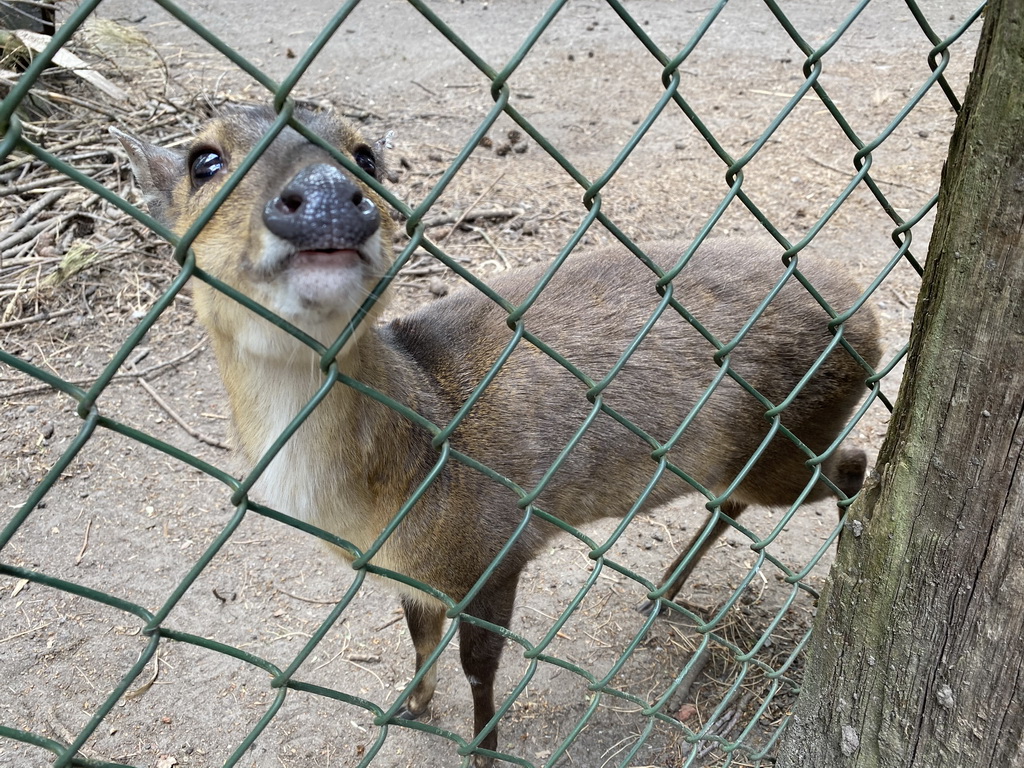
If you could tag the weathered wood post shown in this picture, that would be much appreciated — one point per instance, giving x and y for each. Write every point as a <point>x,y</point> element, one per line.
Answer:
<point>918,653</point>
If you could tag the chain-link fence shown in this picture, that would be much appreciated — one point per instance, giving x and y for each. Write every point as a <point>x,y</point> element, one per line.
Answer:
<point>155,614</point>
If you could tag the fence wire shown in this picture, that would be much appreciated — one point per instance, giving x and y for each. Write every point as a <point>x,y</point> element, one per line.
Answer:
<point>740,727</point>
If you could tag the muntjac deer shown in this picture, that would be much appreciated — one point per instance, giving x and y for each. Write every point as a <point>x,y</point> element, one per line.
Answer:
<point>309,240</point>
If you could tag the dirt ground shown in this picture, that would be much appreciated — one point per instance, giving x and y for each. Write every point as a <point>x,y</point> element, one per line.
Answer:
<point>132,521</point>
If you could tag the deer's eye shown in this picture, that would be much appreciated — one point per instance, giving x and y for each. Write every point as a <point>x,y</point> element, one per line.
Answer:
<point>366,160</point>
<point>205,164</point>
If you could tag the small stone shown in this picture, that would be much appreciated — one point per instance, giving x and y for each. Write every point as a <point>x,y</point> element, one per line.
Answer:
<point>438,287</point>
<point>686,712</point>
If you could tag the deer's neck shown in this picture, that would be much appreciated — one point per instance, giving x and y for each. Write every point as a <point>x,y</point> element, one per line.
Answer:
<point>353,459</point>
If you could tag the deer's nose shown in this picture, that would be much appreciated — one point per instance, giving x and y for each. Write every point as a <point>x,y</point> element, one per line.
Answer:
<point>321,209</point>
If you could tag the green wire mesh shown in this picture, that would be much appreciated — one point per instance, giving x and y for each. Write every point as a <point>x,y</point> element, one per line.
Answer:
<point>154,625</point>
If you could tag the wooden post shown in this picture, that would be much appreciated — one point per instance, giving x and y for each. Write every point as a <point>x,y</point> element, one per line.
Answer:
<point>917,658</point>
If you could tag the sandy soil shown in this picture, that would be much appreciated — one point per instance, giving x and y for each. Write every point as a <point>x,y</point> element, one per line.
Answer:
<point>132,521</point>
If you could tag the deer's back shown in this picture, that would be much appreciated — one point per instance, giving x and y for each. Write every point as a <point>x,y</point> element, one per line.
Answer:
<point>591,313</point>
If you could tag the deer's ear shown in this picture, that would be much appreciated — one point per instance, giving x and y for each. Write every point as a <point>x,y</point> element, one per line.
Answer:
<point>157,171</point>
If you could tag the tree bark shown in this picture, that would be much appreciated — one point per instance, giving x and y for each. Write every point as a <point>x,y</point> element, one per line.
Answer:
<point>917,658</point>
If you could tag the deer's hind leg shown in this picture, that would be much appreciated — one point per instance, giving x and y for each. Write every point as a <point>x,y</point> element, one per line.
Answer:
<point>729,507</point>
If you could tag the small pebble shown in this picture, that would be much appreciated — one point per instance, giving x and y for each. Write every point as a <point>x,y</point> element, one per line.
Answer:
<point>438,287</point>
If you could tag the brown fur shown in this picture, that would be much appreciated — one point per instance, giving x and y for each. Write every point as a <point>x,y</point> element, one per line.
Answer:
<point>355,461</point>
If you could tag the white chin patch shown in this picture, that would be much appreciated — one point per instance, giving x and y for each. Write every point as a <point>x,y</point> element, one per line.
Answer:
<point>319,291</point>
<point>325,279</point>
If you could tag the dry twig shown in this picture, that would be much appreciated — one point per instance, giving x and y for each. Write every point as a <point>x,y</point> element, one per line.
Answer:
<point>191,431</point>
<point>85,543</point>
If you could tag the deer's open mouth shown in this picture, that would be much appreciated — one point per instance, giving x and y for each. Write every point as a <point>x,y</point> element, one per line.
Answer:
<point>326,259</point>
